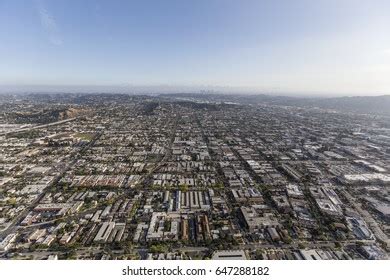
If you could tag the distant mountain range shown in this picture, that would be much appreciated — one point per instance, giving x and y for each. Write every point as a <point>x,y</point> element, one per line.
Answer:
<point>359,104</point>
<point>379,105</point>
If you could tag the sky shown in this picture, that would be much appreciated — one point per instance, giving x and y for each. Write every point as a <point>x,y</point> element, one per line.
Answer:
<point>295,47</point>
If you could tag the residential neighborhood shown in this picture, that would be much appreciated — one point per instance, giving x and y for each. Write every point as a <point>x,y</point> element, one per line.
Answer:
<point>111,176</point>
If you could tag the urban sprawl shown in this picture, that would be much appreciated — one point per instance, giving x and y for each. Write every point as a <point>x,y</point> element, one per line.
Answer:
<point>110,176</point>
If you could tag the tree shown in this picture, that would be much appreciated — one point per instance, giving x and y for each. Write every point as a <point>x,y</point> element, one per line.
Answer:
<point>302,245</point>
<point>158,248</point>
<point>12,201</point>
<point>183,187</point>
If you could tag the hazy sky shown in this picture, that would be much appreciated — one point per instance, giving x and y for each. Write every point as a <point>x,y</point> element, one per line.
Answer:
<point>305,46</point>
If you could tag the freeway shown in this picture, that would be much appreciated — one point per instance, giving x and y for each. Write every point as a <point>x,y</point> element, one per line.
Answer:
<point>37,127</point>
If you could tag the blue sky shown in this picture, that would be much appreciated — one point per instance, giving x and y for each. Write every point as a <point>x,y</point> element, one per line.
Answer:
<point>294,47</point>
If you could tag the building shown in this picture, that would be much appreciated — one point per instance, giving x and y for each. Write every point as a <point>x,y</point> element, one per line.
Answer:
<point>229,255</point>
